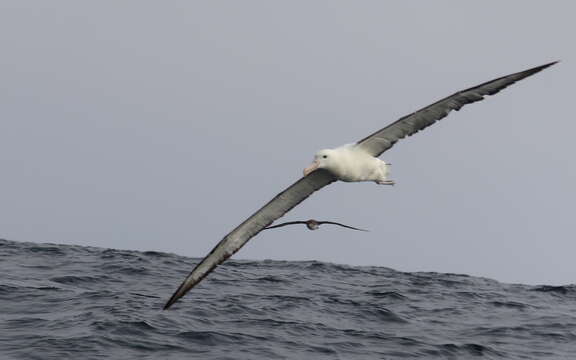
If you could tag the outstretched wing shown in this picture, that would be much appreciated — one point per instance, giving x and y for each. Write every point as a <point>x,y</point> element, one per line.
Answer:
<point>335,223</point>
<point>274,209</point>
<point>408,125</point>
<point>284,224</point>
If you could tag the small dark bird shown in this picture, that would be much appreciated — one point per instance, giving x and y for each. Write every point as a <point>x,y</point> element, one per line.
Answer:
<point>312,224</point>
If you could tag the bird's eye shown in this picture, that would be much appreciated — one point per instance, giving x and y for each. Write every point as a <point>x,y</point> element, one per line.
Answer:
<point>324,156</point>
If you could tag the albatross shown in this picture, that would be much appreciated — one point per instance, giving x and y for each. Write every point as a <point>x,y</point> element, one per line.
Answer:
<point>350,163</point>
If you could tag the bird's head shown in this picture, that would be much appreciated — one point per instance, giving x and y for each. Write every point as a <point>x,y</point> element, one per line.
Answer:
<point>324,159</point>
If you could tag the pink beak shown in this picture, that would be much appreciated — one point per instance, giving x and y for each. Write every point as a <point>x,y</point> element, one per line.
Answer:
<point>311,168</point>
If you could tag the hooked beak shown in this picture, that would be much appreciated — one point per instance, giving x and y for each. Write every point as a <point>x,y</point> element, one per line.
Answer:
<point>311,168</point>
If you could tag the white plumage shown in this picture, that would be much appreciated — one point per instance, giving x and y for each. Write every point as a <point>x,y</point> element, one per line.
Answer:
<point>351,163</point>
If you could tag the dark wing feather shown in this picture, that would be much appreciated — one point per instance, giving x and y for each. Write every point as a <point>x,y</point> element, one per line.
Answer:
<point>286,223</point>
<point>274,209</point>
<point>335,223</point>
<point>385,138</point>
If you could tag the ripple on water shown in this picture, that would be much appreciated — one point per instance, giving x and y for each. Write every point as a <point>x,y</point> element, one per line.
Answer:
<point>73,302</point>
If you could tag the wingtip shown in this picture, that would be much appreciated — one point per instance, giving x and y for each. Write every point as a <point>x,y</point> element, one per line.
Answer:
<point>551,63</point>
<point>542,67</point>
<point>534,70</point>
<point>169,303</point>
<point>177,295</point>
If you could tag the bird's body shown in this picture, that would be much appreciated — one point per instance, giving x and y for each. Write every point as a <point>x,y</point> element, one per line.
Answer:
<point>351,163</point>
<point>356,162</point>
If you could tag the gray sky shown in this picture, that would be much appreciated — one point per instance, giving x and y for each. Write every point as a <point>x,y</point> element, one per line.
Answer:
<point>161,125</point>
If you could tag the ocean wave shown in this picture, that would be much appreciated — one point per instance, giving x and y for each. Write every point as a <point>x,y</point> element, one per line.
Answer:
<point>60,301</point>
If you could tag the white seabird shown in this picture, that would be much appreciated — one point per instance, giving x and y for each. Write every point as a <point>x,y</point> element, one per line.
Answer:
<point>357,162</point>
<point>351,163</point>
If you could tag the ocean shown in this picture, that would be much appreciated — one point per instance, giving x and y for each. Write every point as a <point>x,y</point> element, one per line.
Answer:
<point>77,302</point>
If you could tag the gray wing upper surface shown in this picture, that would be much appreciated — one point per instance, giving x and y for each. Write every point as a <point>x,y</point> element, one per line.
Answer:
<point>382,140</point>
<point>274,209</point>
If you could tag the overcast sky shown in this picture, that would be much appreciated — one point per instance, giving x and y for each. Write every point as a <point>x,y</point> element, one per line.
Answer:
<point>161,125</point>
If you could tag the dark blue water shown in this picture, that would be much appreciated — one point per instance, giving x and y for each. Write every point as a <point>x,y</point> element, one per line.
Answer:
<point>74,302</point>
